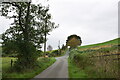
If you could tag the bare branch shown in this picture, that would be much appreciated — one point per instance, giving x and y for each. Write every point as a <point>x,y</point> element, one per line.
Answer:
<point>14,4</point>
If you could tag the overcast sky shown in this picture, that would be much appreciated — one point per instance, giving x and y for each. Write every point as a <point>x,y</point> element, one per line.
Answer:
<point>95,21</point>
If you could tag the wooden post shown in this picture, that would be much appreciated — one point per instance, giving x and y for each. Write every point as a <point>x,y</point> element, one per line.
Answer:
<point>11,62</point>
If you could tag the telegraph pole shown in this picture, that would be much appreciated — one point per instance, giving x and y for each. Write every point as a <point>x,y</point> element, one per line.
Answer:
<point>59,44</point>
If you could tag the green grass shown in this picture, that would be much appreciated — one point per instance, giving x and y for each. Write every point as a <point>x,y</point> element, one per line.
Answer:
<point>54,54</point>
<point>6,63</point>
<point>86,64</point>
<point>0,50</point>
<point>0,68</point>
<point>43,64</point>
<point>111,42</point>
<point>74,71</point>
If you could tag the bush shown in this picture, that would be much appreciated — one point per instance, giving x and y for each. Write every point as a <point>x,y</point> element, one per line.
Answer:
<point>9,55</point>
<point>54,53</point>
<point>95,63</point>
<point>39,53</point>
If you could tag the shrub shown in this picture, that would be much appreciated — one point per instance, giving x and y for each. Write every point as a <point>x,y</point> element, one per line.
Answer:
<point>54,53</point>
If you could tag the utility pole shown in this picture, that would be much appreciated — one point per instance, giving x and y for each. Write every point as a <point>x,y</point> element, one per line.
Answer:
<point>59,44</point>
<point>59,47</point>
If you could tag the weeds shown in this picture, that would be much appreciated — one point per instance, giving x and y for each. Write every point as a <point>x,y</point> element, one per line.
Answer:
<point>98,63</point>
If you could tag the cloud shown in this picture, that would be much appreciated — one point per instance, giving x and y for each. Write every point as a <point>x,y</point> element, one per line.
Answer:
<point>4,24</point>
<point>94,21</point>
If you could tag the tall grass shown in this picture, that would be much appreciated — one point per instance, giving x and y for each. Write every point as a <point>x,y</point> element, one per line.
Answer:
<point>9,72</point>
<point>102,62</point>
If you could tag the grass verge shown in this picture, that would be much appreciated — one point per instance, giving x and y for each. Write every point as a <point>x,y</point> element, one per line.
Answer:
<point>74,71</point>
<point>43,63</point>
<point>95,61</point>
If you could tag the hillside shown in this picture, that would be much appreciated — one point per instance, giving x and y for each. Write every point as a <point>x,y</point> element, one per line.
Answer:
<point>96,61</point>
<point>104,44</point>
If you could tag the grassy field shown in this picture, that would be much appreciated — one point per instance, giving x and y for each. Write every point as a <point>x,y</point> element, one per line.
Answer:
<point>0,63</point>
<point>43,64</point>
<point>96,61</point>
<point>108,43</point>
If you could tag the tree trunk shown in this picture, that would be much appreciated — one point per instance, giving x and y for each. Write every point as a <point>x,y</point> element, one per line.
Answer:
<point>45,41</point>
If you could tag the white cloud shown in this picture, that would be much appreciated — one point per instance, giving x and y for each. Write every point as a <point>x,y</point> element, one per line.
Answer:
<point>94,20</point>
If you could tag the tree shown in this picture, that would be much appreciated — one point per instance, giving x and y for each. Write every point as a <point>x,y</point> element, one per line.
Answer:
<point>0,36</point>
<point>73,41</point>
<point>26,33</point>
<point>48,26</point>
<point>49,48</point>
<point>63,47</point>
<point>59,49</point>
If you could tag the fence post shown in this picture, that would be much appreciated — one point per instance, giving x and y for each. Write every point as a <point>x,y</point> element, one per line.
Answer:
<point>11,62</point>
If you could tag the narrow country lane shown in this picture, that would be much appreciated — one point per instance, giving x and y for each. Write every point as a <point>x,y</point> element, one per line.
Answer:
<point>58,70</point>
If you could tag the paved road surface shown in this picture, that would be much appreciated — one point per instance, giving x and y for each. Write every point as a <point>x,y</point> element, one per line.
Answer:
<point>58,70</point>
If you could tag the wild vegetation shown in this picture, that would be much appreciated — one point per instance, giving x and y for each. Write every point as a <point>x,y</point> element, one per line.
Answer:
<point>9,72</point>
<point>56,53</point>
<point>21,47</point>
<point>96,61</point>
